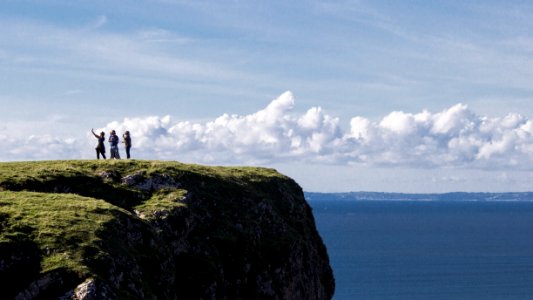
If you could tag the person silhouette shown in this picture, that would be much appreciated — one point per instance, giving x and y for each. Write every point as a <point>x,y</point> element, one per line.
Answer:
<point>126,139</point>
<point>100,147</point>
<point>113,143</point>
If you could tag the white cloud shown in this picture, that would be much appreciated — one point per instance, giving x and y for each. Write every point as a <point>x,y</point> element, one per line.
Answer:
<point>454,137</point>
<point>39,148</point>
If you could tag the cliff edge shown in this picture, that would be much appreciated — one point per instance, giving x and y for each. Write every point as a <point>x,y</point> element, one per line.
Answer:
<point>156,230</point>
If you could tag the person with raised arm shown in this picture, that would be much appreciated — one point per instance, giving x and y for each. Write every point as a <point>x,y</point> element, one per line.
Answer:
<point>100,147</point>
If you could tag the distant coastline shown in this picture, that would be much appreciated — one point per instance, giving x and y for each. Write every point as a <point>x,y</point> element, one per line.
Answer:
<point>455,196</point>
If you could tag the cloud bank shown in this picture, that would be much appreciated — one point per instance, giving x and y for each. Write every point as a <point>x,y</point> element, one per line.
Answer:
<point>454,137</point>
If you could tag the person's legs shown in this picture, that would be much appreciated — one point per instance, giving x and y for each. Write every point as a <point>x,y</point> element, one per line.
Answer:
<point>100,151</point>
<point>128,152</point>
<point>114,153</point>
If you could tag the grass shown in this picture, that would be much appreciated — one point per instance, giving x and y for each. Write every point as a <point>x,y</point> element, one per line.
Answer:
<point>80,216</point>
<point>62,225</point>
<point>64,203</point>
<point>41,170</point>
<point>164,200</point>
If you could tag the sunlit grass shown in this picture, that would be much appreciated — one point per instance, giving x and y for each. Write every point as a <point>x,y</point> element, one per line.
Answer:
<point>165,200</point>
<point>62,225</point>
<point>78,215</point>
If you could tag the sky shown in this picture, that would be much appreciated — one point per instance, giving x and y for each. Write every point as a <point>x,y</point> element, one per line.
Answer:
<point>393,96</point>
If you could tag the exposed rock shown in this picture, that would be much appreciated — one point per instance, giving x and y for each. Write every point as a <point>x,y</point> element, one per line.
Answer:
<point>258,252</point>
<point>92,290</point>
<point>47,285</point>
<point>237,234</point>
<point>109,176</point>
<point>155,182</point>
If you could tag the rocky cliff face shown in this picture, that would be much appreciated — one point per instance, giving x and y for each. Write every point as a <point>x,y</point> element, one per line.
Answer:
<point>156,230</point>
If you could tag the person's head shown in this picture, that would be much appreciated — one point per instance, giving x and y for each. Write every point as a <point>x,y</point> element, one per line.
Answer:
<point>113,132</point>
<point>102,134</point>
<point>127,133</point>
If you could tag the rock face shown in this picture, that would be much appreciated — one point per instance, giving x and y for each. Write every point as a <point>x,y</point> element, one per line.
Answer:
<point>173,231</point>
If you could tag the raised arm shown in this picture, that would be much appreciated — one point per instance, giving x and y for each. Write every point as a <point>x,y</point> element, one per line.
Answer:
<point>95,135</point>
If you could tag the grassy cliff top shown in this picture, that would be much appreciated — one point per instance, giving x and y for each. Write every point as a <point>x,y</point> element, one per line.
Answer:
<point>17,171</point>
<point>72,216</point>
<point>105,179</point>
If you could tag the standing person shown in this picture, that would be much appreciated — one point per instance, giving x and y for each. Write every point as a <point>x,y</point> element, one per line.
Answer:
<point>127,143</point>
<point>113,143</point>
<point>100,147</point>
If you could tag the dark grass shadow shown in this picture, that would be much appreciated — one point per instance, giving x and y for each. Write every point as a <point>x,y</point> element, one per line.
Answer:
<point>86,186</point>
<point>20,263</point>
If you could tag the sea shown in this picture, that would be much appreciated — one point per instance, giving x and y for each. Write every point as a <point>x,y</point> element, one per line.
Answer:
<point>428,249</point>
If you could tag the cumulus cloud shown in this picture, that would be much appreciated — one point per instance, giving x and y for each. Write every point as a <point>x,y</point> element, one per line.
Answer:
<point>36,147</point>
<point>455,136</point>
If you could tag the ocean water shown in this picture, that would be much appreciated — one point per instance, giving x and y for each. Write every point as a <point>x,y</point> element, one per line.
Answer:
<point>428,250</point>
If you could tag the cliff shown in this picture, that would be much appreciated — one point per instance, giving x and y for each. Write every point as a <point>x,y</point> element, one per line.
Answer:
<point>156,230</point>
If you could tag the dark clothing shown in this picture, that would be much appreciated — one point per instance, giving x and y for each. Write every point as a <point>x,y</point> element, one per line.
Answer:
<point>113,142</point>
<point>101,143</point>
<point>100,151</point>
<point>127,140</point>
<point>100,148</point>
<point>127,144</point>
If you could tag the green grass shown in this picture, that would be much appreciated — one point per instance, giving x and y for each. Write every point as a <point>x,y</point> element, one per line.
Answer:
<point>83,177</point>
<point>64,204</point>
<point>65,215</point>
<point>164,200</point>
<point>62,225</point>
<point>42,170</point>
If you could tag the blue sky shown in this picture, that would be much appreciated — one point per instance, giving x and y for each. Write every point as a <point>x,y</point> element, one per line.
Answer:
<point>413,96</point>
